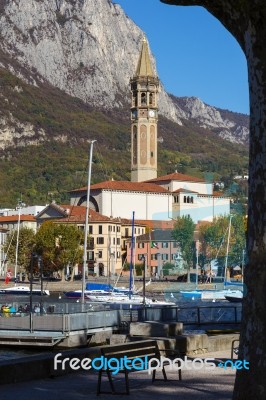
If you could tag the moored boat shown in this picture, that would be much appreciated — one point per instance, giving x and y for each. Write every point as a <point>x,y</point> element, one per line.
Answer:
<point>23,290</point>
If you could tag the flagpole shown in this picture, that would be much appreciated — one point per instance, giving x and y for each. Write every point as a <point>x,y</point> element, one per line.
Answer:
<point>131,255</point>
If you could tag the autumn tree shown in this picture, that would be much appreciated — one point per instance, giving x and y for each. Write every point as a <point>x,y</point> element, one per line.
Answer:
<point>246,21</point>
<point>25,246</point>
<point>58,245</point>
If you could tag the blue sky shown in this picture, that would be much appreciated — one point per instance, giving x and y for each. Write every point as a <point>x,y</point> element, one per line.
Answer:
<point>195,54</point>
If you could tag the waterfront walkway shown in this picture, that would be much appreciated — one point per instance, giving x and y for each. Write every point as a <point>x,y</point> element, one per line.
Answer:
<point>216,384</point>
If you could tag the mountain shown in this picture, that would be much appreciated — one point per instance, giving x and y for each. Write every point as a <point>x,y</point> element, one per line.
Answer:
<point>65,67</point>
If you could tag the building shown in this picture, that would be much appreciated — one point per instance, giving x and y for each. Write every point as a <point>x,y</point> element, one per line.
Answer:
<point>158,248</point>
<point>164,198</point>
<point>151,197</point>
<point>107,236</point>
<point>144,117</point>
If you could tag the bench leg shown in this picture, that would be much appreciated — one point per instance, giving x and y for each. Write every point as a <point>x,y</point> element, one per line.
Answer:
<point>127,382</point>
<point>99,382</point>
<point>110,381</point>
<point>153,375</point>
<point>164,374</point>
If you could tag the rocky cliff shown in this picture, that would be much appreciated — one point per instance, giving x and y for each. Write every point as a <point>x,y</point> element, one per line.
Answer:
<point>89,50</point>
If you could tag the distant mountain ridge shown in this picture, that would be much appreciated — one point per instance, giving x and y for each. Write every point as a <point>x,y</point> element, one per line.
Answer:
<point>89,49</point>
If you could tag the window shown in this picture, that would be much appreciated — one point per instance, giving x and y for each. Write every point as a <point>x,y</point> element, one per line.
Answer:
<point>126,232</point>
<point>185,199</point>
<point>191,200</point>
<point>100,254</point>
<point>141,245</point>
<point>143,99</point>
<point>118,228</point>
<point>118,254</point>
<point>165,245</point>
<point>100,229</point>
<point>176,199</point>
<point>164,257</point>
<point>100,240</point>
<point>90,229</point>
<point>118,241</point>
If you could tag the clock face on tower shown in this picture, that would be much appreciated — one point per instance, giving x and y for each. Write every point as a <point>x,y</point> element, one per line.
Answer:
<point>151,113</point>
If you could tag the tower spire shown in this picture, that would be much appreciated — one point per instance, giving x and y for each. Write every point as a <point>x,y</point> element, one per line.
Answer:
<point>144,117</point>
<point>144,66</point>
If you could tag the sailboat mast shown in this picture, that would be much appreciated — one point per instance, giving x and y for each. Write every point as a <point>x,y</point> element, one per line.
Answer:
<point>227,249</point>
<point>132,256</point>
<point>85,255</point>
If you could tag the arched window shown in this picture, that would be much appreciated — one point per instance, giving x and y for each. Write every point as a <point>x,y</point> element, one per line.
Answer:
<point>151,99</point>
<point>143,99</point>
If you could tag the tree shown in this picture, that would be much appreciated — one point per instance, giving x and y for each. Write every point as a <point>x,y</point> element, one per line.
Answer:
<point>26,242</point>
<point>213,238</point>
<point>183,233</point>
<point>58,245</point>
<point>246,21</point>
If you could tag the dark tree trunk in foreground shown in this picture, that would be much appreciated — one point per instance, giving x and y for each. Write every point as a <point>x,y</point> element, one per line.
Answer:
<point>246,20</point>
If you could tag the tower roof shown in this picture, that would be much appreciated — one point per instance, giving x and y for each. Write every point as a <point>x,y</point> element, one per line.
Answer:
<point>144,67</point>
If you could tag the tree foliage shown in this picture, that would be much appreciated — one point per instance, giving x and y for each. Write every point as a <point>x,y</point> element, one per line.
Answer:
<point>58,245</point>
<point>183,233</point>
<point>213,238</point>
<point>26,243</point>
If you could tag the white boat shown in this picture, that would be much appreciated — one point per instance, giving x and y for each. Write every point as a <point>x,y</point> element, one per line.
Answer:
<point>119,298</point>
<point>212,294</point>
<point>23,290</point>
<point>235,298</point>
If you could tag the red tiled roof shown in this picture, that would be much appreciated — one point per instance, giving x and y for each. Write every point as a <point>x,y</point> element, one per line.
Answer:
<point>14,218</point>
<point>126,186</point>
<point>153,224</point>
<point>176,176</point>
<point>78,214</point>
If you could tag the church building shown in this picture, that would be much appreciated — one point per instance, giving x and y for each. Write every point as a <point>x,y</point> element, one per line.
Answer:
<point>151,197</point>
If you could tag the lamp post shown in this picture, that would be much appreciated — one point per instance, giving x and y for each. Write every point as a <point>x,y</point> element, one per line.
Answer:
<point>20,204</point>
<point>85,255</point>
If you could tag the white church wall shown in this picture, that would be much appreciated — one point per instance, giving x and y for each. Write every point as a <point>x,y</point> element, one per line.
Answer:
<point>122,204</point>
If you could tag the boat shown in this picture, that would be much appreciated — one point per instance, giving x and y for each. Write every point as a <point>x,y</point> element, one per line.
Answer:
<point>211,294</point>
<point>234,298</point>
<point>24,290</point>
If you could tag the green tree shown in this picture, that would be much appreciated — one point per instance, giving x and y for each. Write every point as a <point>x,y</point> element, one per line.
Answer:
<point>59,246</point>
<point>183,233</point>
<point>246,21</point>
<point>26,243</point>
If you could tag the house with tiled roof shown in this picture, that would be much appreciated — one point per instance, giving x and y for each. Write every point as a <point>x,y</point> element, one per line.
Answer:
<point>107,236</point>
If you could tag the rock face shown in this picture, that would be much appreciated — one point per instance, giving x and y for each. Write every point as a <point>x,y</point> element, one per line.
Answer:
<point>89,49</point>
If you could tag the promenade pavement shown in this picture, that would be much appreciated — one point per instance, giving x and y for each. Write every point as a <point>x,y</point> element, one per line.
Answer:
<point>215,384</point>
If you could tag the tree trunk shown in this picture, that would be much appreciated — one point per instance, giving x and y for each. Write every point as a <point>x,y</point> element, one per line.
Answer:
<point>246,20</point>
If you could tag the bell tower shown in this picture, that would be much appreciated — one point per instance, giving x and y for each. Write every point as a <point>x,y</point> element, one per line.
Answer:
<point>144,118</point>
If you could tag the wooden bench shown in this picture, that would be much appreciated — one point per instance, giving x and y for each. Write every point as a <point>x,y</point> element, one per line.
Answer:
<point>138,354</point>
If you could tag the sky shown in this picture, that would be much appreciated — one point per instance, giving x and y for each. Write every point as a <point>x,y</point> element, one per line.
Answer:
<point>195,55</point>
